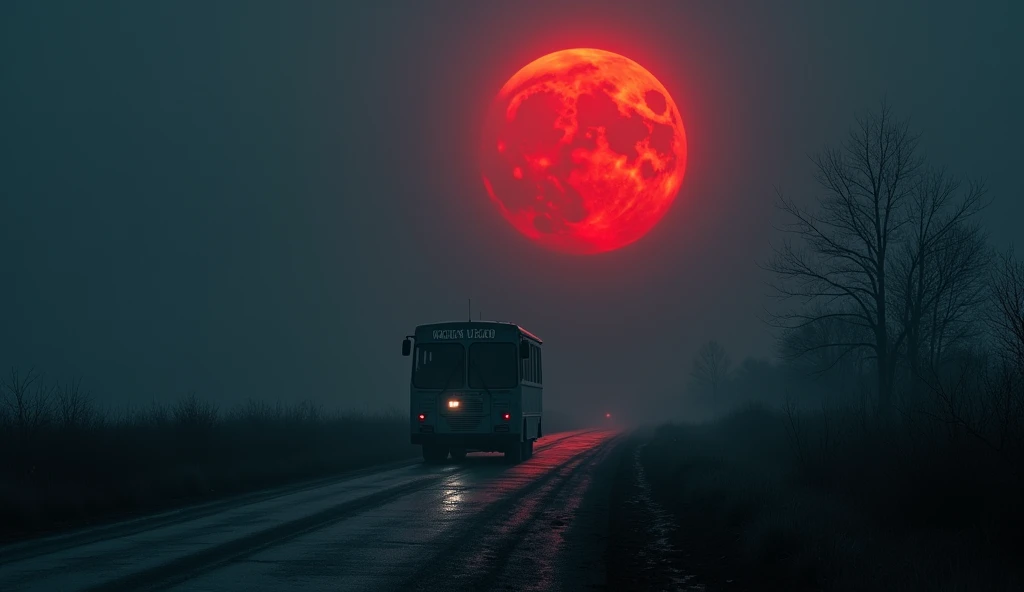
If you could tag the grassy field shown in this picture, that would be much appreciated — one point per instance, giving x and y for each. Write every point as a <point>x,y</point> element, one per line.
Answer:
<point>827,501</point>
<point>65,463</point>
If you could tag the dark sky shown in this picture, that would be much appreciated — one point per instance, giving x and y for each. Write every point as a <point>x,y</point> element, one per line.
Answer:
<point>262,198</point>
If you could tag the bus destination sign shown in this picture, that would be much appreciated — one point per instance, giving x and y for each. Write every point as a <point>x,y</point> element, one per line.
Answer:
<point>463,334</point>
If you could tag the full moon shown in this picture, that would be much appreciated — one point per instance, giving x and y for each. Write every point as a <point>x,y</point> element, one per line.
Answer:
<point>584,151</point>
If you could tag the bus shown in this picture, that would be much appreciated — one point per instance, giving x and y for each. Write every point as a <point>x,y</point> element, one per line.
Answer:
<point>476,386</point>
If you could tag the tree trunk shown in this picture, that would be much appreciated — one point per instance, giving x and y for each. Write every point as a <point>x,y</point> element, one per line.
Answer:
<point>884,384</point>
<point>882,338</point>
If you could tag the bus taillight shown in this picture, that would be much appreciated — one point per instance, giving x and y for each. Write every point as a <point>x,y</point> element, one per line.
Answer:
<point>506,416</point>
<point>423,416</point>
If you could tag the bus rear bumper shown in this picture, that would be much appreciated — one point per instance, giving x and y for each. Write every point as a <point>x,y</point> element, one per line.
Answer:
<point>475,442</point>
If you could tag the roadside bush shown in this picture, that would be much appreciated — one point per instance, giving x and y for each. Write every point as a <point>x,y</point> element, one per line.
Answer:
<point>64,461</point>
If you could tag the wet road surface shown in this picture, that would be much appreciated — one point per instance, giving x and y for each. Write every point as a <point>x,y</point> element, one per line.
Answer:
<point>479,525</point>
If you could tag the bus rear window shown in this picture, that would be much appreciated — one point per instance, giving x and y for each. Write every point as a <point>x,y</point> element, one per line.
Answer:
<point>439,366</point>
<point>493,365</point>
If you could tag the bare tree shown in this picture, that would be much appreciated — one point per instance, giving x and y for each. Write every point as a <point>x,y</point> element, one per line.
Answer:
<point>837,257</point>
<point>73,405</point>
<point>811,347</point>
<point>962,264</point>
<point>983,401</point>
<point>711,368</point>
<point>28,400</point>
<point>1007,317</point>
<point>938,262</point>
<point>192,412</point>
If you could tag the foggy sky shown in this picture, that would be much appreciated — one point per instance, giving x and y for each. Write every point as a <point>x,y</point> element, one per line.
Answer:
<point>262,198</point>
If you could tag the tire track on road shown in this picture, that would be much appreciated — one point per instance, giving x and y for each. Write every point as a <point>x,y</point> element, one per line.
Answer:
<point>476,555</point>
<point>184,568</point>
<point>539,547</point>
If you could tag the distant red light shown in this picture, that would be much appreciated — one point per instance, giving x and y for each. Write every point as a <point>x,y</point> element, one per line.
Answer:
<point>423,416</point>
<point>507,416</point>
<point>608,415</point>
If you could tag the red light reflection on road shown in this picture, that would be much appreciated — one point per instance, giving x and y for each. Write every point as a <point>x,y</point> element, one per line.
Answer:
<point>543,484</point>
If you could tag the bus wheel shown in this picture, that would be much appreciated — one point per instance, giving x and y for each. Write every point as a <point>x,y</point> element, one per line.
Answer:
<point>528,449</point>
<point>458,454</point>
<point>514,453</point>
<point>434,454</point>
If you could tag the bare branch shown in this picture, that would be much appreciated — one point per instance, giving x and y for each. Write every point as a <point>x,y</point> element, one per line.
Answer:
<point>836,263</point>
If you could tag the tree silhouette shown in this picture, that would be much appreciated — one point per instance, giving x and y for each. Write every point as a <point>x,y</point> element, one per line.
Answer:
<point>711,368</point>
<point>938,267</point>
<point>885,247</point>
<point>1007,317</point>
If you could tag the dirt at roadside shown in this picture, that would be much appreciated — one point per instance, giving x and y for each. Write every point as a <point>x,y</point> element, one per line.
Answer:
<point>642,554</point>
<point>622,539</point>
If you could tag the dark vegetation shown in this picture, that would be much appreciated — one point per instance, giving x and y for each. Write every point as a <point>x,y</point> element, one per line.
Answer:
<point>885,448</point>
<point>66,462</point>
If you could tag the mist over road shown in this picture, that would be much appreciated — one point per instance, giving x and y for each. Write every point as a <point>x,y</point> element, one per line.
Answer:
<point>479,525</point>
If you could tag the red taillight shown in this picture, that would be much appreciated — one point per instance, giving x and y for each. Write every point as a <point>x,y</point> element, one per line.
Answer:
<point>506,416</point>
<point>423,416</point>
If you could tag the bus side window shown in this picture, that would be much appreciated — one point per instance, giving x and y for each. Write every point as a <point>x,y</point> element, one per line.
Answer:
<point>531,367</point>
<point>540,367</point>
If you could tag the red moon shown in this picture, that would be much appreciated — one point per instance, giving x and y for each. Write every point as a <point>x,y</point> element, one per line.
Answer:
<point>584,151</point>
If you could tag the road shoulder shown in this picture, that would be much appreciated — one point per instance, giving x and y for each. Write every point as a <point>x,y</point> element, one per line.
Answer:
<point>641,554</point>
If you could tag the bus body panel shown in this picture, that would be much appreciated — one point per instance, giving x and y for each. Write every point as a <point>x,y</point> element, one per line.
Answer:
<point>532,410</point>
<point>466,407</point>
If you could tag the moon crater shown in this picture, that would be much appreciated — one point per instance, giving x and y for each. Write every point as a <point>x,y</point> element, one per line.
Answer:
<point>584,151</point>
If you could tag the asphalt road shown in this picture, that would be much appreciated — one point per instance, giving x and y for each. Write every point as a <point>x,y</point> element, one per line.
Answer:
<point>478,525</point>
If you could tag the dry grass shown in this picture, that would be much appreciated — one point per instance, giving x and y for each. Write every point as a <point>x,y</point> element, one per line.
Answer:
<point>826,501</point>
<point>65,462</point>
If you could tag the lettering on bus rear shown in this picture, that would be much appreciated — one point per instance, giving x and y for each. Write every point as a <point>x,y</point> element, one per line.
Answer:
<point>441,334</point>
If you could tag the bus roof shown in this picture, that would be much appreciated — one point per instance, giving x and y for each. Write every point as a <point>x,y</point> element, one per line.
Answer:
<point>481,324</point>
